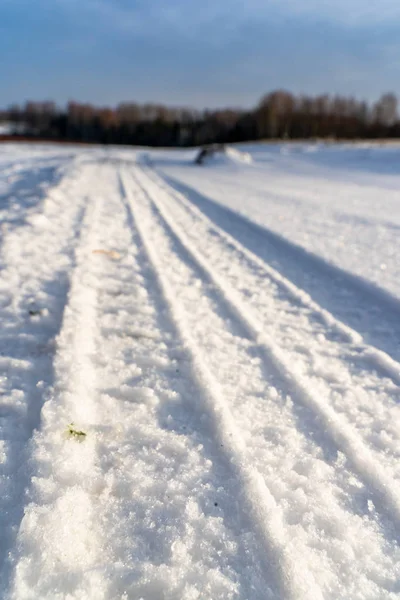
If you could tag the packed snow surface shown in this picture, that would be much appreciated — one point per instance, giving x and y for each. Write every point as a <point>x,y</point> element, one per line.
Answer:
<point>199,387</point>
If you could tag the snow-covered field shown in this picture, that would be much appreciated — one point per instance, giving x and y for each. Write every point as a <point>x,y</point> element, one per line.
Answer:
<point>199,385</point>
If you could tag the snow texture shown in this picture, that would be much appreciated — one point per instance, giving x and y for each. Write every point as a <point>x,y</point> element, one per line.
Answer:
<point>199,394</point>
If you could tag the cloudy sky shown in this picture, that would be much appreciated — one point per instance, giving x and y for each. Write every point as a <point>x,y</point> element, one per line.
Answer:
<point>196,52</point>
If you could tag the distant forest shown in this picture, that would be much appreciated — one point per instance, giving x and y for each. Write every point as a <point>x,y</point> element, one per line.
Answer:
<point>279,115</point>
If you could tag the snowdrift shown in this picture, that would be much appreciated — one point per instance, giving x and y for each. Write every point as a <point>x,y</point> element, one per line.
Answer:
<point>220,154</point>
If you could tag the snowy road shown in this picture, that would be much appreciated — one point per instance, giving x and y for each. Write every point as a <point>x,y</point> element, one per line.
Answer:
<point>189,409</point>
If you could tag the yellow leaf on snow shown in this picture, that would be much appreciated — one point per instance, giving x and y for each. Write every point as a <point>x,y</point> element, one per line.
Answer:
<point>111,253</point>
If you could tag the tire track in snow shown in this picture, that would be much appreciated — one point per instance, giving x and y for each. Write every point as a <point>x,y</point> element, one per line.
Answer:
<point>183,535</point>
<point>347,296</point>
<point>266,511</point>
<point>267,519</point>
<point>379,358</point>
<point>33,292</point>
<point>25,195</point>
<point>130,512</point>
<point>341,428</point>
<point>351,372</point>
<point>55,538</point>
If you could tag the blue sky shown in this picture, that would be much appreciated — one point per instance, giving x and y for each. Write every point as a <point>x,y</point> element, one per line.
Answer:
<point>196,52</point>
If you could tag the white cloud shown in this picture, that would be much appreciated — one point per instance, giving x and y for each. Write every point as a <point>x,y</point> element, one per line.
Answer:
<point>347,12</point>
<point>125,13</point>
<point>185,17</point>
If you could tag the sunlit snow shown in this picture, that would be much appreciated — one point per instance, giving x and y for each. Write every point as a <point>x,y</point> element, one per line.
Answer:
<point>200,373</point>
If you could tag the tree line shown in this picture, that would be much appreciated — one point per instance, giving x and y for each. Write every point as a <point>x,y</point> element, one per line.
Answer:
<point>278,115</point>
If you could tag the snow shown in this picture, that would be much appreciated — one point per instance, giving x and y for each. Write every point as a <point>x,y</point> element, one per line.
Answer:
<point>238,155</point>
<point>227,155</point>
<point>6,128</point>
<point>10,128</point>
<point>199,399</point>
<point>340,203</point>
